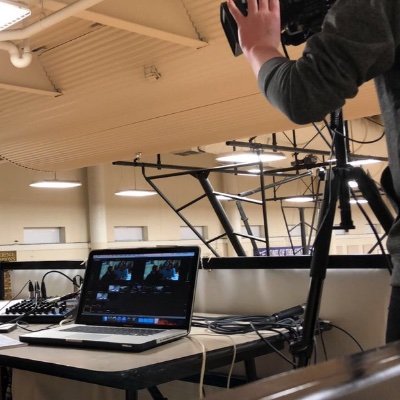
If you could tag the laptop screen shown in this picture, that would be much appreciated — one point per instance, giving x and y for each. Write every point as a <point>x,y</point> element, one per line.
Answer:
<point>139,287</point>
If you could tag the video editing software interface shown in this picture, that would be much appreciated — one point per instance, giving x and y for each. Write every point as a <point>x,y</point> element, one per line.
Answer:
<point>148,289</point>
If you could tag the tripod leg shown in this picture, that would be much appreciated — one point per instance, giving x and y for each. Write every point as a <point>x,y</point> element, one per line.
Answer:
<point>370,192</point>
<point>319,260</point>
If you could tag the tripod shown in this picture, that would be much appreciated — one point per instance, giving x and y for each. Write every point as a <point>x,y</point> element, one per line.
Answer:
<point>336,189</point>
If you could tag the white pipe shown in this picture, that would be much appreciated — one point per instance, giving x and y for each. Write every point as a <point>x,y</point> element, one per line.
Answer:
<point>52,19</point>
<point>19,58</point>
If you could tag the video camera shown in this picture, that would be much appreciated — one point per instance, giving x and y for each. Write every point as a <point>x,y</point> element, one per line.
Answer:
<point>300,19</point>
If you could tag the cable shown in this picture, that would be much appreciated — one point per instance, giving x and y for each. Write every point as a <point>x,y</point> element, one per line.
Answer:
<point>362,141</point>
<point>374,122</point>
<point>233,325</point>
<point>20,324</point>
<point>321,335</point>
<point>272,346</point>
<point>43,286</point>
<point>348,334</point>
<point>228,379</point>
<point>58,272</point>
<point>285,51</point>
<point>203,366</point>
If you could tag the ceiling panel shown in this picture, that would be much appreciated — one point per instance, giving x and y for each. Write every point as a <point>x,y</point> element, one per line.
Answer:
<point>109,110</point>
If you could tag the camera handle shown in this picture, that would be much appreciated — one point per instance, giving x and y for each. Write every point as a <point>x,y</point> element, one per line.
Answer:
<point>336,189</point>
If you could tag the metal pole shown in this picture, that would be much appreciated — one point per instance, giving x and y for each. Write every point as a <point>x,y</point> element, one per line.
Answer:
<point>220,212</point>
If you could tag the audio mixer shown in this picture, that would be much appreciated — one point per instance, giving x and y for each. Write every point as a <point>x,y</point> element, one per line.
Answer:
<point>40,311</point>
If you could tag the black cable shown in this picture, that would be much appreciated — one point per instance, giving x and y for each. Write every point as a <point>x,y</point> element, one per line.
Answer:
<point>321,335</point>
<point>58,272</point>
<point>285,51</point>
<point>20,324</point>
<point>239,324</point>
<point>267,342</point>
<point>315,352</point>
<point>362,141</point>
<point>374,122</point>
<point>231,325</point>
<point>348,334</point>
<point>77,280</point>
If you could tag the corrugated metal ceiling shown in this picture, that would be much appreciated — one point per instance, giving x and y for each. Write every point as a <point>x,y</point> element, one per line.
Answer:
<point>108,110</point>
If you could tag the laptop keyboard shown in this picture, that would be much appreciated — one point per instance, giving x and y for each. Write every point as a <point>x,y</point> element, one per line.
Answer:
<point>114,330</point>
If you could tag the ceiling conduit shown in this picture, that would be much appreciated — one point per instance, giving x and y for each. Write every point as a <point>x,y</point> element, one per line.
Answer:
<point>21,57</point>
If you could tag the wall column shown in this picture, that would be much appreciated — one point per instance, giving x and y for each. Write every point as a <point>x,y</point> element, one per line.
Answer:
<point>97,207</point>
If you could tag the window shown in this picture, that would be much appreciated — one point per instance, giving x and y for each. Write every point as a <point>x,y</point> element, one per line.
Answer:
<point>256,230</point>
<point>44,235</point>
<point>378,228</point>
<point>188,234</point>
<point>130,233</point>
<point>295,230</point>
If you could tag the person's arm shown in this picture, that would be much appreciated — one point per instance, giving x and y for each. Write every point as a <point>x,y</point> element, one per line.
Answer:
<point>356,44</point>
<point>259,32</point>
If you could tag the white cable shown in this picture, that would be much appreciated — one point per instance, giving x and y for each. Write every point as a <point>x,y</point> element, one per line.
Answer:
<point>65,321</point>
<point>203,365</point>
<point>228,383</point>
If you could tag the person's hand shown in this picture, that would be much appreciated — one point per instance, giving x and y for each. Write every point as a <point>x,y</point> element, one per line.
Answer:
<point>260,31</point>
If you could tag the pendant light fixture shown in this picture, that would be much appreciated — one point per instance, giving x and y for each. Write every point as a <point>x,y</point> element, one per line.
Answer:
<point>299,199</point>
<point>250,156</point>
<point>134,192</point>
<point>55,183</point>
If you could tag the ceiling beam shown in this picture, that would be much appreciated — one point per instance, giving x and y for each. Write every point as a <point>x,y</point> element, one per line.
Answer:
<point>130,26</point>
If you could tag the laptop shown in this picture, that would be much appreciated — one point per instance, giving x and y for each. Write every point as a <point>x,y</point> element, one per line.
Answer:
<point>131,299</point>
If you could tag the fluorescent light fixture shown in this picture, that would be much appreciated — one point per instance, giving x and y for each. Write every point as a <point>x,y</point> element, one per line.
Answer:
<point>300,199</point>
<point>255,171</point>
<point>11,13</point>
<point>357,163</point>
<point>359,201</point>
<point>248,157</point>
<point>352,184</point>
<point>55,184</point>
<point>135,193</point>
<point>366,161</point>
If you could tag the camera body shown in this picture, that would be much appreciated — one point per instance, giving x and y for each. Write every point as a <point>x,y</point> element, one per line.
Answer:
<point>300,19</point>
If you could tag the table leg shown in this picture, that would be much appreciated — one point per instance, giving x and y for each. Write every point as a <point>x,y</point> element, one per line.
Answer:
<point>251,371</point>
<point>131,395</point>
<point>155,393</point>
